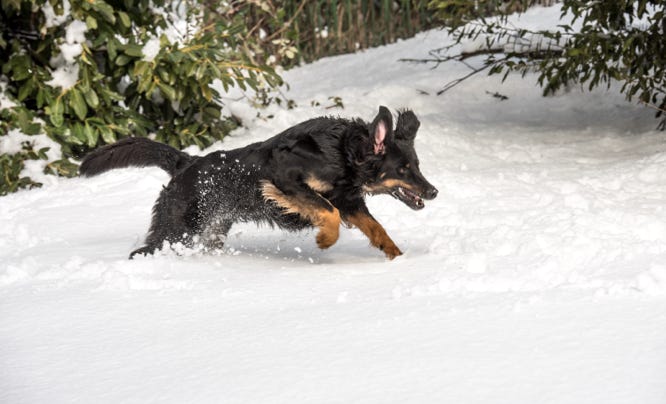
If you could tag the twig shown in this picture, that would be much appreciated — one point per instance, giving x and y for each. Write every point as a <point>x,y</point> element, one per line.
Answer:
<point>655,107</point>
<point>288,23</point>
<point>459,80</point>
<point>489,51</point>
<point>256,27</point>
<point>497,95</point>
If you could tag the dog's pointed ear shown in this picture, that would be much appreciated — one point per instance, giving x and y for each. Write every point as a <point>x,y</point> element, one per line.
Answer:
<point>407,126</point>
<point>381,129</point>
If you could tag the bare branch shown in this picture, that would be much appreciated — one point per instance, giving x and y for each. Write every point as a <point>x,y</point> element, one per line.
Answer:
<point>459,80</point>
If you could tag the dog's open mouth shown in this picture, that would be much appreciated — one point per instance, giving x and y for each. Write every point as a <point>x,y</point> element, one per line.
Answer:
<point>409,198</point>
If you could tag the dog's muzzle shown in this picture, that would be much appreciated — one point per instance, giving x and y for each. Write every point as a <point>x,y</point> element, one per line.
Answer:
<point>413,199</point>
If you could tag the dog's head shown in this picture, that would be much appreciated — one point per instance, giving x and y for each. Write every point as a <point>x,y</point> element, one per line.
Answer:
<point>397,171</point>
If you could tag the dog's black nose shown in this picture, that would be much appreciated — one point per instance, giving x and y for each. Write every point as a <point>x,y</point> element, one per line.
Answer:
<point>432,193</point>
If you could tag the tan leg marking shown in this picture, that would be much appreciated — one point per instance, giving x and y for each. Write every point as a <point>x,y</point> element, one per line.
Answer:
<point>376,233</point>
<point>329,227</point>
<point>327,221</point>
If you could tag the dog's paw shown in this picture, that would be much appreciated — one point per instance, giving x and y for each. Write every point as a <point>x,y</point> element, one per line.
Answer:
<point>326,239</point>
<point>144,251</point>
<point>392,251</point>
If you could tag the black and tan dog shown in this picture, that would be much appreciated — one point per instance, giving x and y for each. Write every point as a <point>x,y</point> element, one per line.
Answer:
<point>313,174</point>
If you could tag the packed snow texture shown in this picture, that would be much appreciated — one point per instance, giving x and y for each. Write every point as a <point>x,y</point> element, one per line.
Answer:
<point>537,276</point>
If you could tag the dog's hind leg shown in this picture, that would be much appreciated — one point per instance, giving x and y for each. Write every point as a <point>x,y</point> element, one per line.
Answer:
<point>175,220</point>
<point>310,205</point>
<point>161,232</point>
<point>215,234</point>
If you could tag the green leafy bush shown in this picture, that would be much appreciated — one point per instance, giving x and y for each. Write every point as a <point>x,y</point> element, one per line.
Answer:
<point>11,166</point>
<point>619,41</point>
<point>88,72</point>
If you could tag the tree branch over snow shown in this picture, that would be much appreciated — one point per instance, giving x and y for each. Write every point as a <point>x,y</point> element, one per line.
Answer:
<point>511,43</point>
<point>591,43</point>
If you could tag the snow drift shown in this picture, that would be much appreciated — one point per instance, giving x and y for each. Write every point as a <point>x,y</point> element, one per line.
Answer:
<point>537,275</point>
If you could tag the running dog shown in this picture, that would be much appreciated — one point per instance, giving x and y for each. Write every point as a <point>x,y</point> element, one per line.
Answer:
<point>314,174</point>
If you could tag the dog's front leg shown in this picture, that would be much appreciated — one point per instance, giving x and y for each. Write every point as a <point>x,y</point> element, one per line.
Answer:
<point>373,231</point>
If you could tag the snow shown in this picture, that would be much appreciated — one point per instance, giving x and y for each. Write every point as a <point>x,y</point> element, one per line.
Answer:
<point>151,49</point>
<point>64,76</point>
<point>75,32</point>
<point>66,69</point>
<point>12,143</point>
<point>537,274</point>
<point>53,19</point>
<point>74,37</point>
<point>5,102</point>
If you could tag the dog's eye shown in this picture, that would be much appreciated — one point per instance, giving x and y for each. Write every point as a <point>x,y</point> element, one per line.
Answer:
<point>402,170</point>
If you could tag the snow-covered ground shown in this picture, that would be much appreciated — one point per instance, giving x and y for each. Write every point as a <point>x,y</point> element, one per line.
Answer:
<point>537,276</point>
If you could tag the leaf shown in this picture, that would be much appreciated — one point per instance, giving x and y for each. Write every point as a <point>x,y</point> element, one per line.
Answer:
<point>16,4</point>
<point>91,135</point>
<point>165,76</point>
<point>212,112</point>
<point>91,22</point>
<point>92,99</point>
<point>573,52</point>
<point>144,84</point>
<point>21,68</point>
<point>140,67</point>
<point>107,134</point>
<point>42,153</point>
<point>77,135</point>
<point>217,73</point>
<point>206,92</point>
<point>62,167</point>
<point>26,89</point>
<point>78,104</point>
<point>56,116</point>
<point>104,9</point>
<point>200,71</point>
<point>124,19</point>
<point>134,50</point>
<point>32,128</point>
<point>112,48</point>
<point>96,121</point>
<point>168,91</point>
<point>122,60</point>
<point>174,142</point>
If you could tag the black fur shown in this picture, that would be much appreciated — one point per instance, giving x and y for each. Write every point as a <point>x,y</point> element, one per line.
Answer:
<point>137,152</point>
<point>320,169</point>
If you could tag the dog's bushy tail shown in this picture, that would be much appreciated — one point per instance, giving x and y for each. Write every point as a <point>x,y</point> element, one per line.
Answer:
<point>133,152</point>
